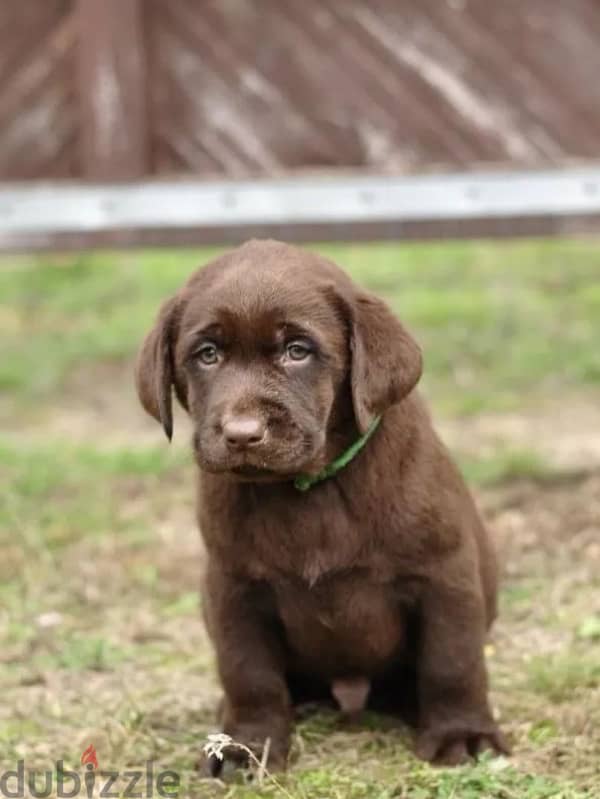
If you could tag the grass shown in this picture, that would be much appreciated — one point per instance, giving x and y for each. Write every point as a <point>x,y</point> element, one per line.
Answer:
<point>505,465</point>
<point>564,676</point>
<point>488,778</point>
<point>494,320</point>
<point>101,638</point>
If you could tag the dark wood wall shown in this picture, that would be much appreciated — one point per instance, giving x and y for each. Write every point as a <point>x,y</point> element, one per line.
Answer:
<point>123,89</point>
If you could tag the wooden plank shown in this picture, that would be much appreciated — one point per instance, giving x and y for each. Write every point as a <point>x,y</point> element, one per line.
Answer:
<point>247,89</point>
<point>38,117</point>
<point>115,138</point>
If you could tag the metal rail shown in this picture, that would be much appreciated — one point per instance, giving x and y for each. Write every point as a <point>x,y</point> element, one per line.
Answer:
<point>43,210</point>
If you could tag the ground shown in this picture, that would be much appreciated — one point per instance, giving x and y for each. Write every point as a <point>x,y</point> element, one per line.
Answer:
<point>100,634</point>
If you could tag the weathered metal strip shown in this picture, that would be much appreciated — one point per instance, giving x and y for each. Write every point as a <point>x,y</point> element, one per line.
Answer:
<point>61,208</point>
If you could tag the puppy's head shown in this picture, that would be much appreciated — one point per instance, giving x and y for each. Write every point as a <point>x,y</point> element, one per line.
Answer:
<point>279,359</point>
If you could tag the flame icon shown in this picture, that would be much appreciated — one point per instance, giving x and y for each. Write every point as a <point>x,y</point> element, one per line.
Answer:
<point>89,756</point>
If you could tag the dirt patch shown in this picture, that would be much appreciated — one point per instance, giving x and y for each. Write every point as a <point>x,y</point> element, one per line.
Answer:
<point>565,432</point>
<point>545,659</point>
<point>548,529</point>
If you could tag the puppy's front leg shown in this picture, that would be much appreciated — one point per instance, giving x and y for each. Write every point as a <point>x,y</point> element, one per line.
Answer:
<point>455,720</point>
<point>256,705</point>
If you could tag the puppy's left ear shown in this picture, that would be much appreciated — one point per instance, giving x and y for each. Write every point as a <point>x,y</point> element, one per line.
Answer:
<point>386,360</point>
<point>155,374</point>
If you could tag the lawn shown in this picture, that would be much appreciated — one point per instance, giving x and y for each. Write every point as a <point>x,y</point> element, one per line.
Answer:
<point>100,634</point>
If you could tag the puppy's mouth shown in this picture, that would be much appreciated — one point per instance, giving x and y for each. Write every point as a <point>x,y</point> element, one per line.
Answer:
<point>283,460</point>
<point>246,469</point>
<point>254,472</point>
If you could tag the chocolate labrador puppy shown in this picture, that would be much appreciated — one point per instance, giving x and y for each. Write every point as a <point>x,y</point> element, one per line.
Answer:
<point>345,557</point>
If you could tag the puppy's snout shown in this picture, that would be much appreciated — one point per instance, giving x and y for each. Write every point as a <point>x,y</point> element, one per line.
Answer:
<point>242,432</point>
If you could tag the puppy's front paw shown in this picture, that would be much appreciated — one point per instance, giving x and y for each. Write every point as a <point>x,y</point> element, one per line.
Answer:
<point>225,755</point>
<point>453,745</point>
<point>224,764</point>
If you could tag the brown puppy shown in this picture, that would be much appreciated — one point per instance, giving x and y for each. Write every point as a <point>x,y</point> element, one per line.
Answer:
<point>378,583</point>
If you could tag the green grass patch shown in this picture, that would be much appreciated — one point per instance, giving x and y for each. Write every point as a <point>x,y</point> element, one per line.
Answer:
<point>589,629</point>
<point>52,494</point>
<point>494,319</point>
<point>507,464</point>
<point>562,677</point>
<point>397,775</point>
<point>86,652</point>
<point>518,596</point>
<point>543,731</point>
<point>60,312</point>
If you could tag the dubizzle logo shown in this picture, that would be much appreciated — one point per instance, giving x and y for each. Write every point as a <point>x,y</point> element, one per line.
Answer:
<point>89,756</point>
<point>136,783</point>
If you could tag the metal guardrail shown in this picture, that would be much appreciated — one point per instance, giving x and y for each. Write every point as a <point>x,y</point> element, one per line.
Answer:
<point>40,211</point>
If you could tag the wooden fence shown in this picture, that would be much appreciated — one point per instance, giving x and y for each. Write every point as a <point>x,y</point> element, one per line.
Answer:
<point>109,91</point>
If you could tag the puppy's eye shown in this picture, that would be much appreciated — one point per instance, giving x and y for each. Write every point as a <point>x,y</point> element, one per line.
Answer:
<point>297,351</point>
<point>208,354</point>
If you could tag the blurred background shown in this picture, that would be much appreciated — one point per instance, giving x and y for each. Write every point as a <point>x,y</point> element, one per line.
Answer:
<point>445,153</point>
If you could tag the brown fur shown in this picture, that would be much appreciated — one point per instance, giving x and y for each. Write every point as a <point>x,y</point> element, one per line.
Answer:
<point>379,578</point>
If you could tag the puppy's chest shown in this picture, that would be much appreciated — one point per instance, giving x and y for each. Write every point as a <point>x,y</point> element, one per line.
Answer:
<point>346,624</point>
<point>312,546</point>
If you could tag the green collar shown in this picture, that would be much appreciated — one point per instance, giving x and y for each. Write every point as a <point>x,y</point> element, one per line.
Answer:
<point>305,481</point>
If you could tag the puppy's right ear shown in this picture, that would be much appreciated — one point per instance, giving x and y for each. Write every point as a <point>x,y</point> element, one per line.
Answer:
<point>155,367</point>
<point>385,361</point>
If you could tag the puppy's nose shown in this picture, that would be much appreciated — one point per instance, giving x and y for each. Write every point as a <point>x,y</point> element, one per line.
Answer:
<point>243,431</point>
